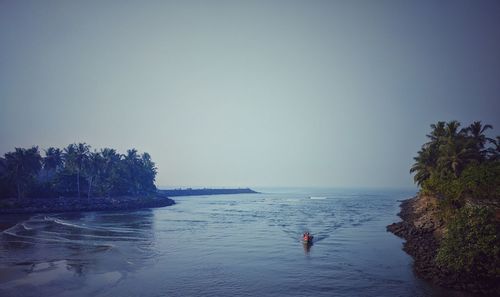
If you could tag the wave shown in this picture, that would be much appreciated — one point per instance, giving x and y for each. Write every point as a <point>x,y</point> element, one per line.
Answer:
<point>49,229</point>
<point>92,228</point>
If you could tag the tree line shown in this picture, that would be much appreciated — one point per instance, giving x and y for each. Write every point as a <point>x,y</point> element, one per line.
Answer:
<point>458,163</point>
<point>75,171</point>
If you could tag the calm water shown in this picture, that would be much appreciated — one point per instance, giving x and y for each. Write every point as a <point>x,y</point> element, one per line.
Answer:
<point>228,245</point>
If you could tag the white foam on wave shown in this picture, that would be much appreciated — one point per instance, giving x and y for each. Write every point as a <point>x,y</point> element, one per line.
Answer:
<point>92,228</point>
<point>14,233</point>
<point>67,224</point>
<point>14,229</point>
<point>25,234</point>
<point>317,198</point>
<point>26,227</point>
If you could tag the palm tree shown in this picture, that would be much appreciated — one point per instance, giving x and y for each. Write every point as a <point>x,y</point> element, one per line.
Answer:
<point>454,156</point>
<point>452,132</point>
<point>426,159</point>
<point>425,164</point>
<point>448,151</point>
<point>132,168</point>
<point>437,133</point>
<point>53,160</point>
<point>109,174</point>
<point>22,166</point>
<point>494,152</point>
<point>455,151</point>
<point>139,171</point>
<point>74,156</point>
<point>93,167</point>
<point>478,138</point>
<point>148,175</point>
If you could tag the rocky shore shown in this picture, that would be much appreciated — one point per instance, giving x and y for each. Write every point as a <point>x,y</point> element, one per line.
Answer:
<point>423,230</point>
<point>71,204</point>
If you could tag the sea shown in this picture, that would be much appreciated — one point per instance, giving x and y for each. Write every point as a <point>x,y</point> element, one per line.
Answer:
<point>220,245</point>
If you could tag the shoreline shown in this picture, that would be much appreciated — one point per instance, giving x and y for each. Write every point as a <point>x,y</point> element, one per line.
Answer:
<point>73,204</point>
<point>423,230</point>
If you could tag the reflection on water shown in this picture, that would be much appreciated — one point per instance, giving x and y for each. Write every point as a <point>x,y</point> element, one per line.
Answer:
<point>307,247</point>
<point>66,247</point>
<point>243,245</point>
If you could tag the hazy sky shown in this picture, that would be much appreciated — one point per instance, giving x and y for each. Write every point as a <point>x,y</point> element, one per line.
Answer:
<point>249,93</point>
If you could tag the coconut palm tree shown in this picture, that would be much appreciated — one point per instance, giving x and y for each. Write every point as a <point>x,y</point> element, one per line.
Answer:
<point>139,171</point>
<point>110,170</point>
<point>53,160</point>
<point>22,167</point>
<point>74,157</point>
<point>425,164</point>
<point>93,166</point>
<point>494,151</point>
<point>148,175</point>
<point>132,168</point>
<point>455,151</point>
<point>454,157</point>
<point>426,159</point>
<point>437,133</point>
<point>478,139</point>
<point>452,132</point>
<point>477,130</point>
<point>448,151</point>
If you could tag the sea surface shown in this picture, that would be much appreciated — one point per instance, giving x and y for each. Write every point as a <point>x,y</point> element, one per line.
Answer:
<point>223,245</point>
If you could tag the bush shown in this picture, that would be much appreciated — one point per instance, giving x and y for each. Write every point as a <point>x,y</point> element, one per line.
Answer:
<point>472,243</point>
<point>449,190</point>
<point>444,186</point>
<point>482,181</point>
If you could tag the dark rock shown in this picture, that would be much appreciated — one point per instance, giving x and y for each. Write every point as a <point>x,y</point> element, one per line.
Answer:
<point>422,244</point>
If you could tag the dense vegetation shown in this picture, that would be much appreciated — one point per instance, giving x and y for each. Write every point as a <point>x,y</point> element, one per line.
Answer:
<point>459,154</point>
<point>75,171</point>
<point>471,243</point>
<point>461,166</point>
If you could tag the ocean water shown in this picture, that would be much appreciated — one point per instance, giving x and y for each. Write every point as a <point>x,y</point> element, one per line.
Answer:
<point>223,245</point>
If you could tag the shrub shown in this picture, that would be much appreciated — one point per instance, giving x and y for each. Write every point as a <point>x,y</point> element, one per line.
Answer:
<point>472,243</point>
<point>482,181</point>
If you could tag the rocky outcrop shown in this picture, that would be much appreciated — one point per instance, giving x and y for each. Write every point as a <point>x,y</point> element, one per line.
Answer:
<point>70,204</point>
<point>423,230</point>
<point>420,229</point>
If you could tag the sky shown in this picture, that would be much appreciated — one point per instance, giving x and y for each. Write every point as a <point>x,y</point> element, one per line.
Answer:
<point>249,93</point>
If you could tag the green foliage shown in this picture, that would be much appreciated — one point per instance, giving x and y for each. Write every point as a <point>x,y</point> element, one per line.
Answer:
<point>22,165</point>
<point>74,170</point>
<point>443,186</point>
<point>481,181</point>
<point>53,159</point>
<point>458,163</point>
<point>424,165</point>
<point>75,157</point>
<point>477,181</point>
<point>462,167</point>
<point>449,190</point>
<point>472,243</point>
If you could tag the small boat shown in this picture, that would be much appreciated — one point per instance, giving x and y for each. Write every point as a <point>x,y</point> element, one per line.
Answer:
<point>308,241</point>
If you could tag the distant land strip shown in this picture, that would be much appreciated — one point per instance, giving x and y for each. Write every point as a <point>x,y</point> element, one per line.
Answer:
<point>203,192</point>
